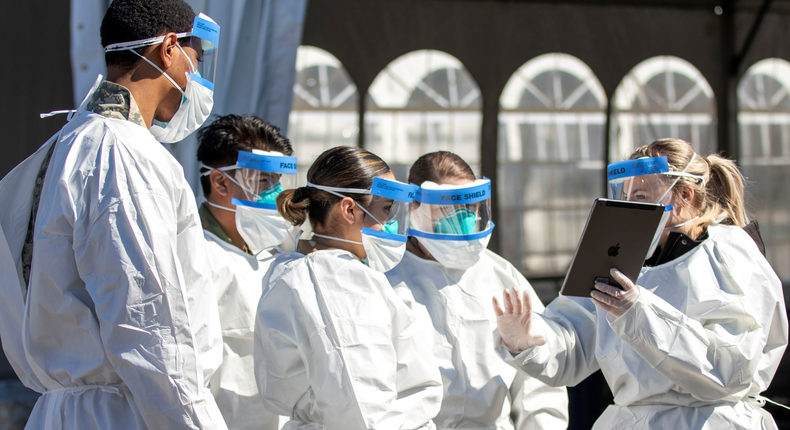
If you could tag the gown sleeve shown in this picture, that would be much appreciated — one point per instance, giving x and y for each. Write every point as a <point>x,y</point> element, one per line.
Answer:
<point>728,343</point>
<point>568,357</point>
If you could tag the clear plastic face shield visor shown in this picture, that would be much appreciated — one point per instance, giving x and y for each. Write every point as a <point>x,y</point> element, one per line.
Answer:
<point>646,180</point>
<point>203,40</point>
<point>643,180</point>
<point>389,206</point>
<point>452,212</point>
<point>262,176</point>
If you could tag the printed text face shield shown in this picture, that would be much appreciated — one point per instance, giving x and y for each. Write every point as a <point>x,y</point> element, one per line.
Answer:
<point>389,207</point>
<point>204,41</point>
<point>263,176</point>
<point>643,180</point>
<point>452,212</point>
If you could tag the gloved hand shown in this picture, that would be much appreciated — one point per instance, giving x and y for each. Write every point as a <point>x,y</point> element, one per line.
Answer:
<point>613,299</point>
<point>515,321</point>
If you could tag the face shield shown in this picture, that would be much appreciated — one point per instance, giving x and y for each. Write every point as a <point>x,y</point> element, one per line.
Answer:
<point>643,180</point>
<point>389,206</point>
<point>452,212</point>
<point>646,180</point>
<point>262,176</point>
<point>453,222</point>
<point>203,39</point>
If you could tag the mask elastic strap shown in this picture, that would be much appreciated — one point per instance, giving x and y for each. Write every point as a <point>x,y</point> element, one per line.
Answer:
<point>720,218</point>
<point>337,239</point>
<point>162,71</point>
<point>237,183</point>
<point>678,178</point>
<point>219,207</point>
<point>682,224</point>
<point>295,238</point>
<point>134,44</point>
<point>221,169</point>
<point>336,190</point>
<point>333,190</point>
<point>687,175</point>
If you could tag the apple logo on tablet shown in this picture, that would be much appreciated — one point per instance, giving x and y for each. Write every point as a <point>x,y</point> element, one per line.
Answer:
<point>614,250</point>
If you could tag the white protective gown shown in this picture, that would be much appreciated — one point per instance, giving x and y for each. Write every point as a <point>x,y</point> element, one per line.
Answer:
<point>115,330</point>
<point>708,331</point>
<point>480,390</point>
<point>336,349</point>
<point>238,277</point>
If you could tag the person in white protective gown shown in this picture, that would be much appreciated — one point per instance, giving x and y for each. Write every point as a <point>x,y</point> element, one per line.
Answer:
<point>452,276</point>
<point>335,347</point>
<point>243,229</point>
<point>102,259</point>
<point>698,337</point>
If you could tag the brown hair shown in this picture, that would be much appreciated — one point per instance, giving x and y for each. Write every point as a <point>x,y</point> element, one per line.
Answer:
<point>341,167</point>
<point>722,193</point>
<point>438,167</point>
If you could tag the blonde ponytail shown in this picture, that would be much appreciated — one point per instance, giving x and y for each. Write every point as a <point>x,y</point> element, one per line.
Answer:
<point>719,198</point>
<point>725,192</point>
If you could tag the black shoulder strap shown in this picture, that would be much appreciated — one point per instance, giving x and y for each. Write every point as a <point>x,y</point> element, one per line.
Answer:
<point>753,230</point>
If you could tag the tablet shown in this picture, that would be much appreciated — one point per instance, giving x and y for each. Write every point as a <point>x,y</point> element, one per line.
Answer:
<point>617,234</point>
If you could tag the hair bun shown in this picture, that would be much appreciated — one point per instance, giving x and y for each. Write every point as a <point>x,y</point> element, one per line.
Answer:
<point>301,194</point>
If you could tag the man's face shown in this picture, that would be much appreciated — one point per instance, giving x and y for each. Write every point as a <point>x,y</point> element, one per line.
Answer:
<point>177,70</point>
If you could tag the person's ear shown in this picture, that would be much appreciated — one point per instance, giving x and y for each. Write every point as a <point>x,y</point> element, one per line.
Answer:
<point>687,194</point>
<point>220,183</point>
<point>167,50</point>
<point>347,208</point>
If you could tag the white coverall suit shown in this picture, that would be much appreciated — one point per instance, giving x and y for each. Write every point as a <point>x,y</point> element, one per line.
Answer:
<point>238,277</point>
<point>707,332</point>
<point>480,390</point>
<point>336,349</point>
<point>115,329</point>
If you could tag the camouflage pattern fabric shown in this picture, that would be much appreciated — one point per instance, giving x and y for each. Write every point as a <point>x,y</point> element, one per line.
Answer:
<point>115,101</point>
<point>211,225</point>
<point>27,248</point>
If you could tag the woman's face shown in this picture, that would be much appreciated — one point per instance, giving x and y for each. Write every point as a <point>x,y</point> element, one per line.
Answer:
<point>380,207</point>
<point>647,189</point>
<point>427,215</point>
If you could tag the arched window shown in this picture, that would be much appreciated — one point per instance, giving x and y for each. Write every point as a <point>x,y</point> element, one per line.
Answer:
<point>764,154</point>
<point>325,110</point>
<point>551,158</point>
<point>422,102</point>
<point>662,97</point>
